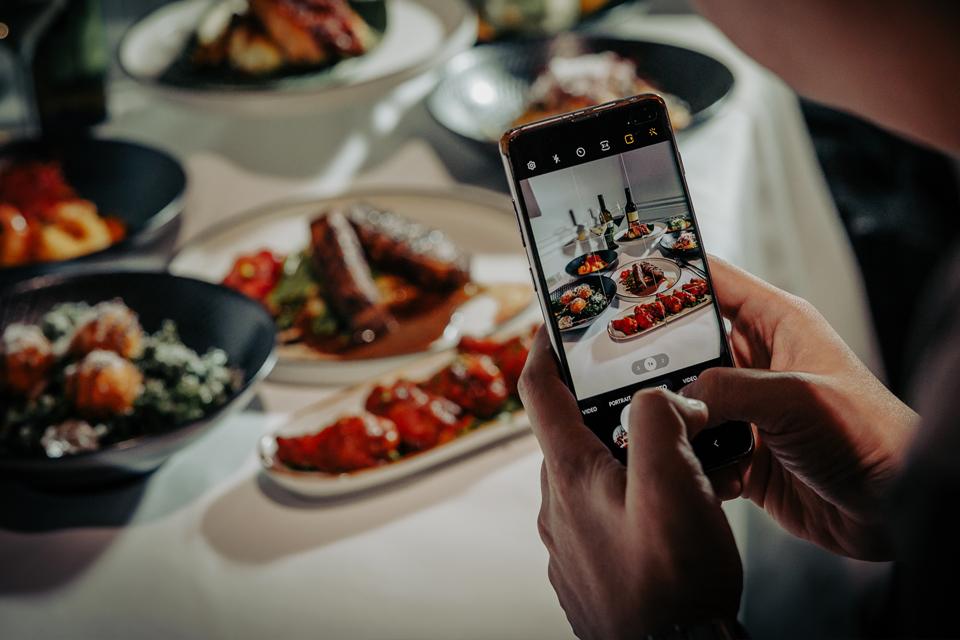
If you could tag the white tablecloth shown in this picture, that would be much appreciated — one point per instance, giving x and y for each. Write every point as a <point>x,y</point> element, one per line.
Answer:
<point>209,548</point>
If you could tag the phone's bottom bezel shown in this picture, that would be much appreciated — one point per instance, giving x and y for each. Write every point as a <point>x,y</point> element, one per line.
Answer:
<point>737,442</point>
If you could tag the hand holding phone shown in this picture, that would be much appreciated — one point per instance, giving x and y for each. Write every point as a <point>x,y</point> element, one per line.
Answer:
<point>630,304</point>
<point>632,550</point>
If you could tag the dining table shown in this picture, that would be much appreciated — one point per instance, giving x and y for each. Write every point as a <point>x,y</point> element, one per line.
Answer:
<point>208,546</point>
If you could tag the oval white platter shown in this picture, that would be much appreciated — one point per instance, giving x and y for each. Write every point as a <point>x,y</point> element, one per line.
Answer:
<point>618,336</point>
<point>351,401</point>
<point>480,222</point>
<point>420,35</point>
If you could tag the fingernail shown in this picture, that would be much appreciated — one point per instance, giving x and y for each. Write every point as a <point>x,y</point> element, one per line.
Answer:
<point>694,404</point>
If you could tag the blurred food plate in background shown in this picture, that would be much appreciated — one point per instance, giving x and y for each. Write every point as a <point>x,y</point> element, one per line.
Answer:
<point>265,56</point>
<point>491,88</point>
<point>79,201</point>
<point>368,281</point>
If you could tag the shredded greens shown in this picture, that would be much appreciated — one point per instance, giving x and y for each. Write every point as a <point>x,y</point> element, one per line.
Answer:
<point>179,386</point>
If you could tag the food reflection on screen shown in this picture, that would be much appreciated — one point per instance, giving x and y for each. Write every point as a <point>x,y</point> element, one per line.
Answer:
<point>648,319</point>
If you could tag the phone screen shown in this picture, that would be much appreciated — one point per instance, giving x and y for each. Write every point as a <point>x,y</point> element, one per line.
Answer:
<point>624,284</point>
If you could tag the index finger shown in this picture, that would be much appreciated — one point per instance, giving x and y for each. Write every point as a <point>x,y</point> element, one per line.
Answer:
<point>554,415</point>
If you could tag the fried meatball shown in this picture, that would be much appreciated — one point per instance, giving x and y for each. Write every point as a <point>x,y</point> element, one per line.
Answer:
<point>112,327</point>
<point>26,357</point>
<point>103,384</point>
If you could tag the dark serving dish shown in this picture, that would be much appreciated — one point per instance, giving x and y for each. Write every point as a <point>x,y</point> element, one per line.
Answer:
<point>207,315</point>
<point>482,91</point>
<point>607,255</point>
<point>183,74</point>
<point>669,240</point>
<point>142,186</point>
<point>598,282</point>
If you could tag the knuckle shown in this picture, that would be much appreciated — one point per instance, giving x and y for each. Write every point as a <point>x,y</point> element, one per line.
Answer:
<point>526,383</point>
<point>543,528</point>
<point>800,307</point>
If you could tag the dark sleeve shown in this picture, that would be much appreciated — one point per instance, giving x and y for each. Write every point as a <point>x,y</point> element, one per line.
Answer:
<point>925,505</point>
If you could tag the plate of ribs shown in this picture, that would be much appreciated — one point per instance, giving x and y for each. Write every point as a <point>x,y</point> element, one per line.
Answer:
<point>285,52</point>
<point>364,283</point>
<point>645,278</point>
<point>394,426</point>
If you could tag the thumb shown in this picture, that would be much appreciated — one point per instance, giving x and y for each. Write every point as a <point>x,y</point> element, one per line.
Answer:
<point>765,398</point>
<point>661,426</point>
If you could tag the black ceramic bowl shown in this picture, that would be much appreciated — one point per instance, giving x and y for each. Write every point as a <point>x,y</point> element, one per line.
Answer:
<point>607,255</point>
<point>600,283</point>
<point>482,91</point>
<point>668,240</point>
<point>207,315</point>
<point>142,186</point>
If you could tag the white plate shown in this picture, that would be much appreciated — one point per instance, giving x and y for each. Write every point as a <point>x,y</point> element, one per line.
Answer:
<point>671,270</point>
<point>420,35</point>
<point>658,230</point>
<point>325,485</point>
<point>480,222</point>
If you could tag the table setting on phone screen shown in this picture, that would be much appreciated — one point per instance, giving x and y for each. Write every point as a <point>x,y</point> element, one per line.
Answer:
<point>209,546</point>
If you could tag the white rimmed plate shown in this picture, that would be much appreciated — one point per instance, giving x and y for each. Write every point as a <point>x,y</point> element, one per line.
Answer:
<point>351,401</point>
<point>658,230</point>
<point>480,222</point>
<point>420,34</point>
<point>671,271</point>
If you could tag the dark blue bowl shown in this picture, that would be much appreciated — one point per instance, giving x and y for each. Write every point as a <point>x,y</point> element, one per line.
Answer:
<point>142,186</point>
<point>207,315</point>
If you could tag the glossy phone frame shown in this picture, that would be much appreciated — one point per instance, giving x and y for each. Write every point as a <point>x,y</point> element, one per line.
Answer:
<point>737,437</point>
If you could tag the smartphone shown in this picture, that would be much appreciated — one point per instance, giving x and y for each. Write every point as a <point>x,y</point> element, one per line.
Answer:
<point>619,264</point>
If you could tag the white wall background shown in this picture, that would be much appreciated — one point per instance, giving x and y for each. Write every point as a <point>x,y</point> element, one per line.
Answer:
<point>650,172</point>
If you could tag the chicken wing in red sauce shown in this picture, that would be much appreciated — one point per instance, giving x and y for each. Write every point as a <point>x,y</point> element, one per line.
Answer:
<point>474,382</point>
<point>349,444</point>
<point>509,356</point>
<point>423,419</point>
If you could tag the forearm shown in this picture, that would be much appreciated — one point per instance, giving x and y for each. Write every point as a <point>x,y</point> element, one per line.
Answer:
<point>893,62</point>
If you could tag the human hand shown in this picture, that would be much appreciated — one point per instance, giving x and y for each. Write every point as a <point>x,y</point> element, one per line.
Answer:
<point>830,436</point>
<point>635,549</point>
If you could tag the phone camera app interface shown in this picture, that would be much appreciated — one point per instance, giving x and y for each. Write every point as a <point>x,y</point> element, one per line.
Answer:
<point>628,288</point>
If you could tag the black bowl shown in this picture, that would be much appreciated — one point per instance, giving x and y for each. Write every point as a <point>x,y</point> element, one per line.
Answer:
<point>207,315</point>
<point>482,91</point>
<point>595,280</point>
<point>142,186</point>
<point>607,255</point>
<point>668,240</point>
<point>182,73</point>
